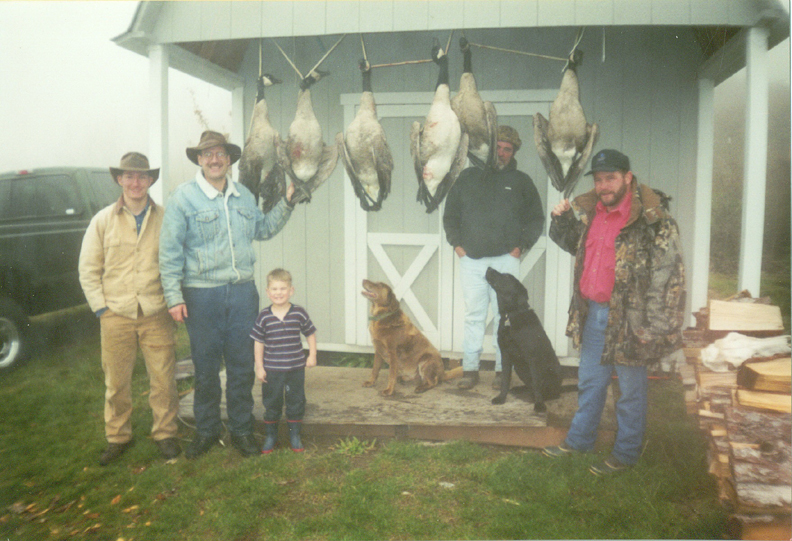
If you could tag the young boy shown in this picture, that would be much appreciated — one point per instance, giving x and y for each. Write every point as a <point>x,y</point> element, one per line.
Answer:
<point>280,361</point>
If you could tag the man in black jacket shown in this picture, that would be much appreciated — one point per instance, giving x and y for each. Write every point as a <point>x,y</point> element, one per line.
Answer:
<point>491,218</point>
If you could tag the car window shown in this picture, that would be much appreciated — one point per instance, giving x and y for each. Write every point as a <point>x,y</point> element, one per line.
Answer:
<point>105,189</point>
<point>45,196</point>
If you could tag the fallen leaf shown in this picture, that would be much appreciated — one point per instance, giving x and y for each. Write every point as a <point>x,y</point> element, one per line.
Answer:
<point>139,470</point>
<point>130,509</point>
<point>506,500</point>
<point>17,508</point>
<point>446,485</point>
<point>116,500</point>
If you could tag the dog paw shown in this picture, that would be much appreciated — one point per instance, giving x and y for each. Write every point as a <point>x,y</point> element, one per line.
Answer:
<point>540,407</point>
<point>368,383</point>
<point>386,392</point>
<point>499,399</point>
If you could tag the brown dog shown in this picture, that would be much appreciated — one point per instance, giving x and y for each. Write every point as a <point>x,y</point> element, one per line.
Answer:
<point>397,341</point>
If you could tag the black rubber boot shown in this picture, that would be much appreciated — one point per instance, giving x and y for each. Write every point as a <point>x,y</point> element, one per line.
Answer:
<point>270,437</point>
<point>294,436</point>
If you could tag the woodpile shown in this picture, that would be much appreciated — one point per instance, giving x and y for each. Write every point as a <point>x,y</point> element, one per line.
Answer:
<point>745,412</point>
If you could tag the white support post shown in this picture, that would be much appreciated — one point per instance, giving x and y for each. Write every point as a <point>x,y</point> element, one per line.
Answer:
<point>158,121</point>
<point>755,166</point>
<point>699,277</point>
<point>558,279</point>
<point>238,121</point>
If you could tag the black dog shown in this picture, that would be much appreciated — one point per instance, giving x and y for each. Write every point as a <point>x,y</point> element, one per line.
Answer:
<point>523,343</point>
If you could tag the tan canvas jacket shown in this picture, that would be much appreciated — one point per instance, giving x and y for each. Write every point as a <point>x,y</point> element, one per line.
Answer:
<point>119,269</point>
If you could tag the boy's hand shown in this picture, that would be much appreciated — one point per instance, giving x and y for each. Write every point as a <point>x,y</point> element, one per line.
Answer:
<point>310,362</point>
<point>261,374</point>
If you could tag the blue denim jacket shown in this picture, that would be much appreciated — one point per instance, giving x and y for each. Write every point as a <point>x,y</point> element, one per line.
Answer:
<point>206,237</point>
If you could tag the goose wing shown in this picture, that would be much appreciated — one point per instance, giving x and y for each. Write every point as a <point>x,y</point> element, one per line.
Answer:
<point>415,150</point>
<point>575,170</point>
<point>349,165</point>
<point>384,164</point>
<point>492,130</point>
<point>545,150</point>
<point>327,165</point>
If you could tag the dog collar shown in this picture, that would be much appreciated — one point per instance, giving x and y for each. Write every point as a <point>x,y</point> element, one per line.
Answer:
<point>381,316</point>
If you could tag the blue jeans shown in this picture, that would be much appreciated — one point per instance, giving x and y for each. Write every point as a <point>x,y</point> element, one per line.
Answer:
<point>593,381</point>
<point>219,323</point>
<point>478,296</point>
<point>290,385</point>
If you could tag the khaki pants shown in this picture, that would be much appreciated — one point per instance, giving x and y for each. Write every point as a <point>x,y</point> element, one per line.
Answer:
<point>120,339</point>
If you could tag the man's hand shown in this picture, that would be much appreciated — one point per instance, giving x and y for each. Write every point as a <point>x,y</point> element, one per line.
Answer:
<point>289,192</point>
<point>179,313</point>
<point>517,252</point>
<point>561,208</point>
<point>460,251</point>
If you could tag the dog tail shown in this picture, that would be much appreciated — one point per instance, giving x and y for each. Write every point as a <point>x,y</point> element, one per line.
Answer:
<point>453,373</point>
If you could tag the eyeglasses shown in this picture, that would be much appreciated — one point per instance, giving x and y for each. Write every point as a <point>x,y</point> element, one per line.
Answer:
<point>208,154</point>
<point>131,177</point>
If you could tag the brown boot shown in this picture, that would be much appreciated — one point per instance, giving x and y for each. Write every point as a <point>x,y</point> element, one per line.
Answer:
<point>468,381</point>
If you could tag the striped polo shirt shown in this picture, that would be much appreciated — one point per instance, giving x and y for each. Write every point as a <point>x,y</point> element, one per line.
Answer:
<point>283,349</point>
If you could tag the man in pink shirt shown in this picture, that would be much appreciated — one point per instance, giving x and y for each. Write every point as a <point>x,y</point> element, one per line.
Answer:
<point>628,304</point>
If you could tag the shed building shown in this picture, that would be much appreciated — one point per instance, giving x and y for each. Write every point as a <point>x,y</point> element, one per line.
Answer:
<point>648,79</point>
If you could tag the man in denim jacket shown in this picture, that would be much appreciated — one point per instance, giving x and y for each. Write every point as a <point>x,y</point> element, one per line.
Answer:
<point>206,262</point>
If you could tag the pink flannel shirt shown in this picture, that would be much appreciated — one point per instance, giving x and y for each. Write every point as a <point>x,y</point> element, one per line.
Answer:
<point>599,269</point>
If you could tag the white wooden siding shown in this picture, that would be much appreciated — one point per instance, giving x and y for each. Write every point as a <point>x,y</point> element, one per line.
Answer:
<point>203,21</point>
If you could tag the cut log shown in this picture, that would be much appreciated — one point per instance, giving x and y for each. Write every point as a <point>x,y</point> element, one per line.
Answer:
<point>774,375</point>
<point>744,316</point>
<point>708,378</point>
<point>763,400</point>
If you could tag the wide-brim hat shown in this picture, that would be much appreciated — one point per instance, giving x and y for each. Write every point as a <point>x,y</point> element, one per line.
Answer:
<point>609,160</point>
<point>134,161</point>
<point>211,139</point>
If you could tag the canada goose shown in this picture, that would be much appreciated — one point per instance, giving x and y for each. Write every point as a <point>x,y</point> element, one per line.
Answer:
<point>439,147</point>
<point>476,116</point>
<point>304,156</point>
<point>365,151</point>
<point>564,143</point>
<point>259,170</point>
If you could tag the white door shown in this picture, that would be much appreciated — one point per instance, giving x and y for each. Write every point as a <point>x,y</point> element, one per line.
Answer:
<point>405,247</point>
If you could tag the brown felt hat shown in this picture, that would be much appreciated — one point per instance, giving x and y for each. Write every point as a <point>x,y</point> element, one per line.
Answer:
<point>134,161</point>
<point>210,139</point>
<point>507,134</point>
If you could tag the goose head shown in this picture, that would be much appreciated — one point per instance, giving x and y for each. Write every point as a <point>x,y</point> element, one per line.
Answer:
<point>312,78</point>
<point>464,44</point>
<point>574,60</point>
<point>265,80</point>
<point>438,54</point>
<point>364,65</point>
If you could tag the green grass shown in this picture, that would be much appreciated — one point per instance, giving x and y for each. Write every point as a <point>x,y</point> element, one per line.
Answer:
<point>51,486</point>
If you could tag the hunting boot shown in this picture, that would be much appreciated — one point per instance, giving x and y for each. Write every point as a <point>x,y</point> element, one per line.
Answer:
<point>468,381</point>
<point>294,436</point>
<point>270,437</point>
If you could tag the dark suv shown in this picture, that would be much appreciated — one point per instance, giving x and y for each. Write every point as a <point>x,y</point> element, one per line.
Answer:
<point>43,217</point>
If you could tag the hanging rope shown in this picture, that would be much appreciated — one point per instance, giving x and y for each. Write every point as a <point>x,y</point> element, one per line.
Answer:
<point>288,59</point>
<point>328,53</point>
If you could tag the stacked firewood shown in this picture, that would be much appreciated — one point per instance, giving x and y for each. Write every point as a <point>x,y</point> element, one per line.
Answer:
<point>738,384</point>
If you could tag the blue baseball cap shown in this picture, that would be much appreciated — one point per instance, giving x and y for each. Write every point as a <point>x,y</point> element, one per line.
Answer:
<point>609,160</point>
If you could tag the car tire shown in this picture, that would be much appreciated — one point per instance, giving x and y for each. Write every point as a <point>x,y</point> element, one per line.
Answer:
<point>14,335</point>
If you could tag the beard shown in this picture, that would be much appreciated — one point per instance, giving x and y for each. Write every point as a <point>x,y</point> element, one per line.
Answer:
<point>613,198</point>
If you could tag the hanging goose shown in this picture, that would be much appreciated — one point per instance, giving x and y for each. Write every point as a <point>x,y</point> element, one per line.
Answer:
<point>439,147</point>
<point>476,116</point>
<point>564,142</point>
<point>304,156</point>
<point>259,170</point>
<point>365,151</point>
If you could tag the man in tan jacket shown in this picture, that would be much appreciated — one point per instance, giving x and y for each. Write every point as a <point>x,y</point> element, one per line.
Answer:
<point>119,273</point>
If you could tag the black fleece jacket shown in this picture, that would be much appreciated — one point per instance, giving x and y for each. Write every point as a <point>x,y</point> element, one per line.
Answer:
<point>491,215</point>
